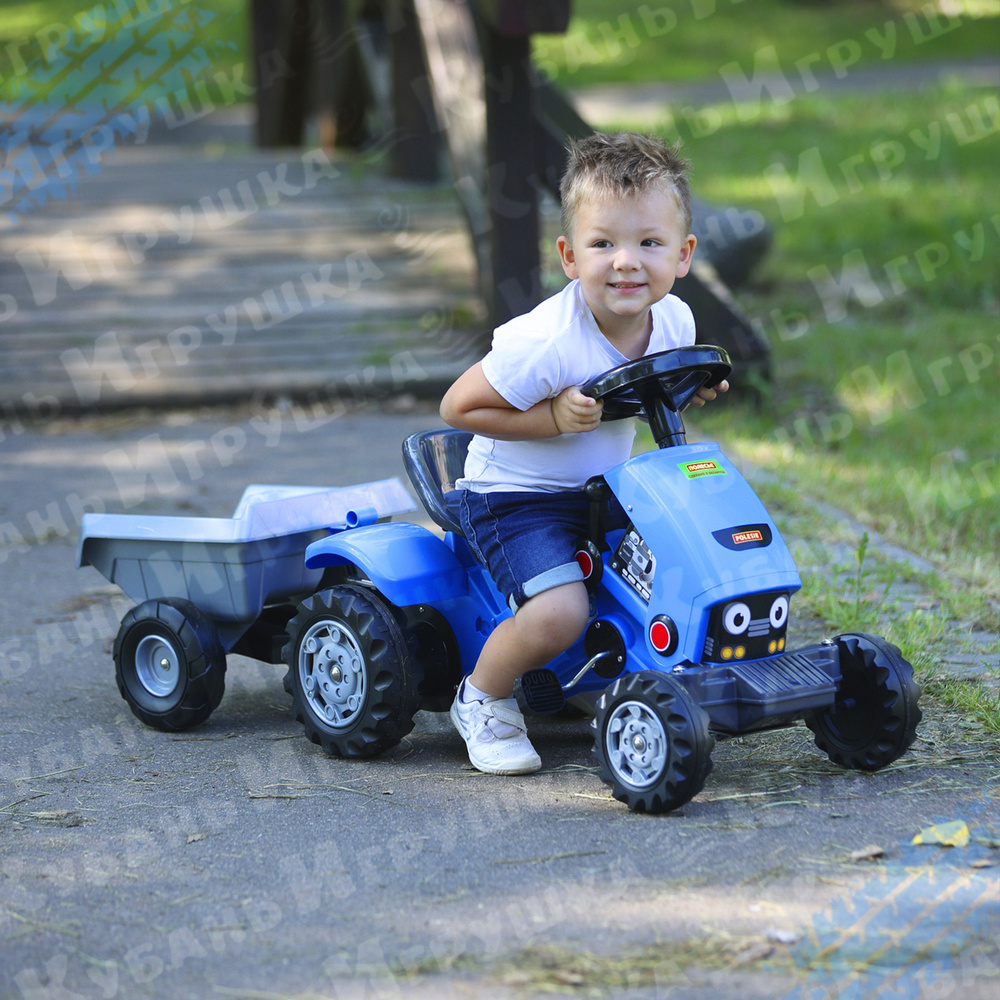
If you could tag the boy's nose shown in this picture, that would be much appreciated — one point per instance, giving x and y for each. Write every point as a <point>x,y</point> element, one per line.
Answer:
<point>625,260</point>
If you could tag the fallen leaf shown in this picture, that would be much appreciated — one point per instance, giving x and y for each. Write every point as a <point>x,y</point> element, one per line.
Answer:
<point>868,853</point>
<point>953,834</point>
<point>194,837</point>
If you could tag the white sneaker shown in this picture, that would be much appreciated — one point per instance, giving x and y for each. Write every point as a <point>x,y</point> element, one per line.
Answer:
<point>495,734</point>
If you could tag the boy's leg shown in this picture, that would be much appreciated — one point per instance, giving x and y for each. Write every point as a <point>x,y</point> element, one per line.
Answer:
<point>484,710</point>
<point>529,543</point>
<point>545,626</point>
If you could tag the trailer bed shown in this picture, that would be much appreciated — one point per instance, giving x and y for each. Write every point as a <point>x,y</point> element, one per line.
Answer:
<point>231,568</point>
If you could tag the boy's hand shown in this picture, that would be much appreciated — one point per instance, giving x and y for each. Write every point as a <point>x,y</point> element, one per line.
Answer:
<point>574,413</point>
<point>707,393</point>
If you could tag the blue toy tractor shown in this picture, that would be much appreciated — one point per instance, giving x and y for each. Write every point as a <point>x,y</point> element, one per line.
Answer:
<point>689,611</point>
<point>378,619</point>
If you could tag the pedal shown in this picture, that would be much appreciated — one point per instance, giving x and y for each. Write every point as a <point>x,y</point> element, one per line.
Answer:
<point>541,691</point>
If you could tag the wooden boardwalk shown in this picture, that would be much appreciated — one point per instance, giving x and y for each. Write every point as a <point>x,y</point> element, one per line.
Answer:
<point>181,275</point>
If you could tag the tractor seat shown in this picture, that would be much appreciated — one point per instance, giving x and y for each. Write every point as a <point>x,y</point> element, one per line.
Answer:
<point>434,460</point>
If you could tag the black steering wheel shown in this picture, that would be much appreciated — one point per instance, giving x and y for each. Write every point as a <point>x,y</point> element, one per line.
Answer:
<point>659,384</point>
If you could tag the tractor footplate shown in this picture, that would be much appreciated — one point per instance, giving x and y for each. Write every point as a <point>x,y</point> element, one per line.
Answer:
<point>790,683</point>
<point>755,693</point>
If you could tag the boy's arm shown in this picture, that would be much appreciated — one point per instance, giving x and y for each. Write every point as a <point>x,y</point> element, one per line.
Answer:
<point>472,404</point>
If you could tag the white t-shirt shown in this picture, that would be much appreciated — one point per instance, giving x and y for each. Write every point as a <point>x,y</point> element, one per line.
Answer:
<point>538,355</point>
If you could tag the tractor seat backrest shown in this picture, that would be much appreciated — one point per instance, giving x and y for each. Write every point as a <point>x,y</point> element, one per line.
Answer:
<point>434,460</point>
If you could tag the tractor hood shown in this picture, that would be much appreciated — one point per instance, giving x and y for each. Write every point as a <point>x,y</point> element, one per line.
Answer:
<point>706,529</point>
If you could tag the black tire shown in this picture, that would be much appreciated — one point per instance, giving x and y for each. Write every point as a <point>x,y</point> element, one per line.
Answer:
<point>437,661</point>
<point>169,664</point>
<point>652,742</point>
<point>874,719</point>
<point>350,672</point>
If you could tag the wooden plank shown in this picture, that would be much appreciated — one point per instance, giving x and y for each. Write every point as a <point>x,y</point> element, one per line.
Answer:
<point>416,142</point>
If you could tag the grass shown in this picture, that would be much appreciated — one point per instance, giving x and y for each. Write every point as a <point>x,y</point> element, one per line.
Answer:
<point>635,42</point>
<point>927,629</point>
<point>561,970</point>
<point>884,401</point>
<point>971,700</point>
<point>39,39</point>
<point>674,40</point>
<point>880,294</point>
<point>848,586</point>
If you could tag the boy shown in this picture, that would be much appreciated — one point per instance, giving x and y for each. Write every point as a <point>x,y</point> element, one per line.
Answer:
<point>626,222</point>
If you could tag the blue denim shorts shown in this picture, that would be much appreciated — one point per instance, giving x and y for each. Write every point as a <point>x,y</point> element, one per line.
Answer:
<point>529,540</point>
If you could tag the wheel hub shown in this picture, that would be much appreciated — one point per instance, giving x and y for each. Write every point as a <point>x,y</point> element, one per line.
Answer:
<point>157,665</point>
<point>636,744</point>
<point>332,674</point>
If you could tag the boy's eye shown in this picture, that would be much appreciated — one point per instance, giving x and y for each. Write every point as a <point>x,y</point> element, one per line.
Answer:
<point>601,244</point>
<point>650,242</point>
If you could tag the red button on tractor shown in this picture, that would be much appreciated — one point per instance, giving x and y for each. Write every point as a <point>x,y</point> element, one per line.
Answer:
<point>663,635</point>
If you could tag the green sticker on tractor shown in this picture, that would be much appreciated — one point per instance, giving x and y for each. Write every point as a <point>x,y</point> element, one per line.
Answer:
<point>696,470</point>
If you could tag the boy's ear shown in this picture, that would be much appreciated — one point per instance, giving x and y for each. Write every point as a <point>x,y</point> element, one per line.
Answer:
<point>687,252</point>
<point>566,258</point>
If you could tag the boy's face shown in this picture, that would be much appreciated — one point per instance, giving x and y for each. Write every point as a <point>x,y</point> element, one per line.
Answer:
<point>627,253</point>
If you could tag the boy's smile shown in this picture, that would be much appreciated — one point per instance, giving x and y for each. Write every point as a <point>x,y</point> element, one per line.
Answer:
<point>627,253</point>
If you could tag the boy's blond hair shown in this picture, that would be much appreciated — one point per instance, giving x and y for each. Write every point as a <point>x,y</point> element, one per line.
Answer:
<point>620,164</point>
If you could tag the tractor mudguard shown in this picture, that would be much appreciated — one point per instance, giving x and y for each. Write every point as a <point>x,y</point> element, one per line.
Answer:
<point>406,562</point>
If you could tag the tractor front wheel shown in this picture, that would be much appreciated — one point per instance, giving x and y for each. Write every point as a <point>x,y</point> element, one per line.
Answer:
<point>652,742</point>
<point>874,719</point>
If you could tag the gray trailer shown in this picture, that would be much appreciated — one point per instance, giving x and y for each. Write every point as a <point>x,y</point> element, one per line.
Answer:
<point>205,587</point>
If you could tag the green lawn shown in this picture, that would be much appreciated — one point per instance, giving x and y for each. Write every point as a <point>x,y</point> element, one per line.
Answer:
<point>39,39</point>
<point>880,300</point>
<point>696,39</point>
<point>608,43</point>
<point>880,295</point>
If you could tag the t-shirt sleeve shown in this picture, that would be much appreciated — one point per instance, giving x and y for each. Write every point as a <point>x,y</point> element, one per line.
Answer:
<point>524,369</point>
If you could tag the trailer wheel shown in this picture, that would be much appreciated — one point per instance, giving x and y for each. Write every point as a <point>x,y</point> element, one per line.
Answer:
<point>874,719</point>
<point>652,742</point>
<point>350,672</point>
<point>169,664</point>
